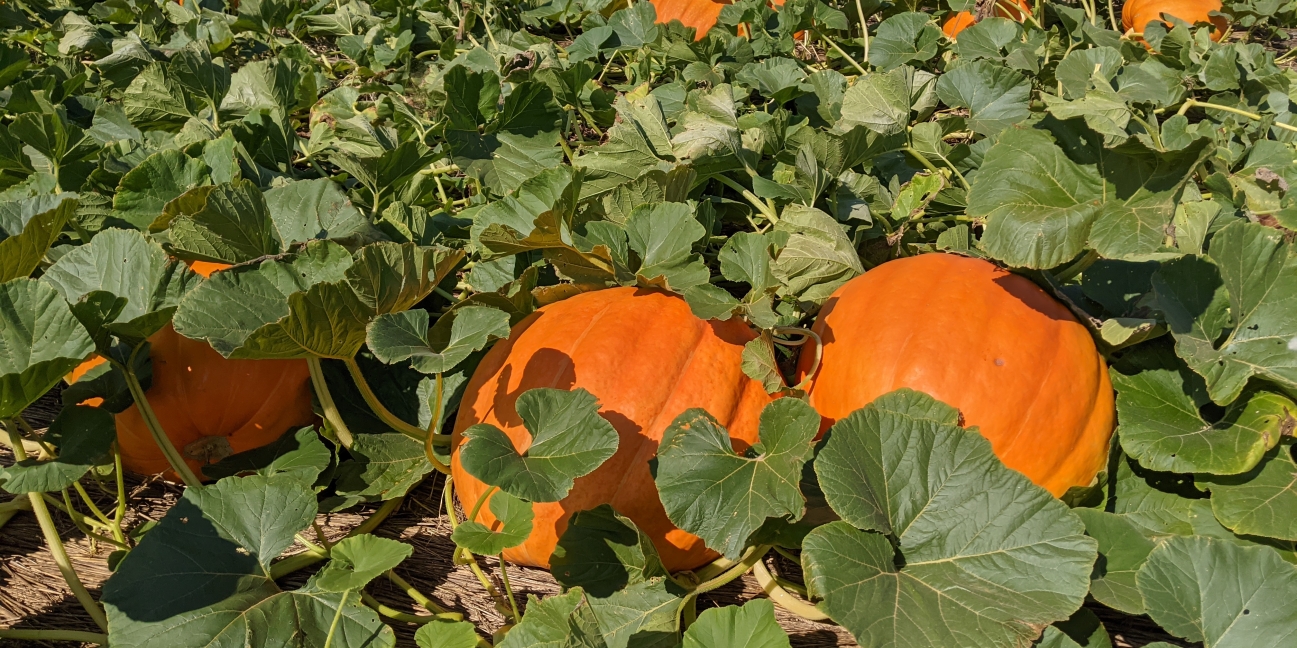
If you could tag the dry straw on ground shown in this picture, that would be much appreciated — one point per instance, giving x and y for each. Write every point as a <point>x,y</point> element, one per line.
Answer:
<point>33,595</point>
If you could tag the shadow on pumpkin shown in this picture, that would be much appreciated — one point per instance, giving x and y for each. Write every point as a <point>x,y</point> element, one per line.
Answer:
<point>546,368</point>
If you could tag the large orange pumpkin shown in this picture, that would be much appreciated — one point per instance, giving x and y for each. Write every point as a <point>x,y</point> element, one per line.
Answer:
<point>1014,361</point>
<point>210,407</point>
<point>647,359</point>
<point>700,14</point>
<point>1137,14</point>
<point>959,21</point>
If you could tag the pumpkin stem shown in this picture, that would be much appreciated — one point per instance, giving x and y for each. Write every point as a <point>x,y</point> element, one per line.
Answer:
<point>52,538</point>
<point>160,437</point>
<point>434,426</point>
<point>330,409</point>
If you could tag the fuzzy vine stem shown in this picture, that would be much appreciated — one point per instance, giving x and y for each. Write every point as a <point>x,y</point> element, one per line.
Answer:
<point>173,456</point>
<point>1194,103</point>
<point>421,598</point>
<point>337,616</point>
<point>745,564</point>
<point>431,437</point>
<point>864,28</point>
<point>783,598</point>
<point>55,635</point>
<point>52,538</point>
<point>392,420</point>
<point>397,615</point>
<point>508,590</point>
<point>466,557</point>
<point>750,197</point>
<point>843,53</point>
<point>331,413</point>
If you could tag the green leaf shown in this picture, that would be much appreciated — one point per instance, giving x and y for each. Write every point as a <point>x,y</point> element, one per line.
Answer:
<point>83,435</point>
<point>751,625</point>
<point>569,439</point>
<point>354,561</point>
<point>818,256</point>
<point>227,223</point>
<point>1077,69</point>
<point>446,634</point>
<point>760,365</point>
<point>21,252</point>
<point>903,38</point>
<point>1224,595</point>
<point>162,177</point>
<point>996,96</point>
<point>745,258</point>
<point>1162,428</point>
<point>124,266</point>
<point>515,519</point>
<point>986,558</point>
<point>1262,501</point>
<point>199,578</point>
<point>1249,288</point>
<point>602,552</point>
<point>155,100</point>
<point>317,209</point>
<point>663,235</point>
<point>1038,204</point>
<point>297,452</point>
<point>383,467</point>
<point>722,496</point>
<point>1083,630</point>
<point>42,342</point>
<point>1123,548</point>
<point>197,72</point>
<point>394,337</point>
<point>879,102</point>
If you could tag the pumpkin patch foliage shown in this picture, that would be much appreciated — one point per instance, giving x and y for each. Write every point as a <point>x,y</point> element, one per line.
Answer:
<point>946,322</point>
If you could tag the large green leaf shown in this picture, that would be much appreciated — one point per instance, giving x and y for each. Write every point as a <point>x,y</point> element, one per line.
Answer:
<point>354,561</point>
<point>996,96</point>
<point>1248,287</point>
<point>515,517</point>
<point>1123,548</point>
<point>569,440</point>
<point>83,436</point>
<point>227,223</point>
<point>1222,594</point>
<point>751,625</point>
<point>394,337</point>
<point>21,251</point>
<point>602,552</point>
<point>663,236</point>
<point>1038,204</point>
<point>199,578</point>
<point>162,177</point>
<point>722,496</point>
<point>135,274</point>
<point>40,342</point>
<point>317,209</point>
<point>1161,425</point>
<point>879,102</point>
<point>1261,502</point>
<point>985,557</point>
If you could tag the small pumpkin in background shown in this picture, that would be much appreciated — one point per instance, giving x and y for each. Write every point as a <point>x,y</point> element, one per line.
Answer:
<point>210,407</point>
<point>646,358</point>
<point>1014,361</point>
<point>699,14</point>
<point>1137,14</point>
<point>958,21</point>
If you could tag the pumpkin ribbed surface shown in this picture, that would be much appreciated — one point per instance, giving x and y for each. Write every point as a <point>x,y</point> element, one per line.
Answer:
<point>958,21</point>
<point>1137,14</point>
<point>1014,361</point>
<point>210,407</point>
<point>647,359</point>
<point>699,14</point>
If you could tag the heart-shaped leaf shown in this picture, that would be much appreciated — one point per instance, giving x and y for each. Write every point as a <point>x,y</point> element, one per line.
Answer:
<point>42,343</point>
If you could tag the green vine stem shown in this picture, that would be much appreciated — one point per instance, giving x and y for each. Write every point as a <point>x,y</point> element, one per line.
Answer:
<point>750,197</point>
<point>395,614</point>
<point>330,409</point>
<point>783,598</point>
<point>508,590</point>
<point>431,437</point>
<point>371,399</point>
<point>56,635</point>
<point>463,556</point>
<point>174,458</point>
<point>11,508</point>
<point>843,53</point>
<point>421,598</point>
<point>806,335</point>
<point>745,564</point>
<point>1194,103</point>
<point>310,557</point>
<point>1077,268</point>
<point>337,616</point>
<point>51,534</point>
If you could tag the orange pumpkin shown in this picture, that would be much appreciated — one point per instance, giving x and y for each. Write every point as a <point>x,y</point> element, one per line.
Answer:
<point>647,359</point>
<point>1137,14</point>
<point>209,407</point>
<point>959,21</point>
<point>1014,361</point>
<point>700,14</point>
